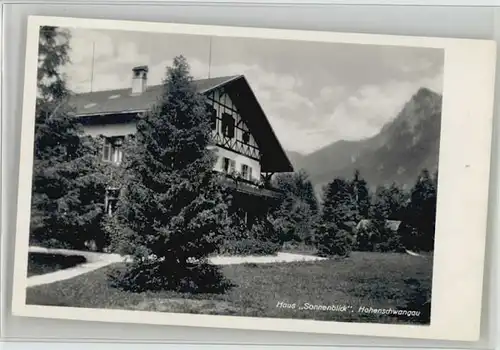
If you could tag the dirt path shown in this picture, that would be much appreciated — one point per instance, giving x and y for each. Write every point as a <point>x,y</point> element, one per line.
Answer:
<point>94,261</point>
<point>268,259</point>
<point>98,260</point>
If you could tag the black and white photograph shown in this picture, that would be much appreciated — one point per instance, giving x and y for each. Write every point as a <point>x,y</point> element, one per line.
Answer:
<point>251,177</point>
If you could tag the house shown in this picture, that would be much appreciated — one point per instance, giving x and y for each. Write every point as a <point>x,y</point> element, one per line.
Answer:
<point>247,147</point>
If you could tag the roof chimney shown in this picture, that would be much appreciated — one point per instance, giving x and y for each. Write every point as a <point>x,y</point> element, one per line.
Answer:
<point>139,79</point>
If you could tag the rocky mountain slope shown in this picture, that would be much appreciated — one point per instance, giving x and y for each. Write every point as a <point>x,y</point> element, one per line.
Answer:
<point>403,147</point>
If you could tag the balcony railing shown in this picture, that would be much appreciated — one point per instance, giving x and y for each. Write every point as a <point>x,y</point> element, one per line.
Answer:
<point>255,188</point>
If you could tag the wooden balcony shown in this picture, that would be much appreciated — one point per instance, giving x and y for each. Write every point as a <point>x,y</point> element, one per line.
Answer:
<point>249,188</point>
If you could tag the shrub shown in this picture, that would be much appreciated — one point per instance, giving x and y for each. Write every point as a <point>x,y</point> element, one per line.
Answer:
<point>377,236</point>
<point>155,275</point>
<point>409,236</point>
<point>334,241</point>
<point>260,239</point>
<point>51,243</point>
<point>363,239</point>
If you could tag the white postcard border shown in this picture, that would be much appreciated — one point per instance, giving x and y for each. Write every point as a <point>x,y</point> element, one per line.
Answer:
<point>464,166</point>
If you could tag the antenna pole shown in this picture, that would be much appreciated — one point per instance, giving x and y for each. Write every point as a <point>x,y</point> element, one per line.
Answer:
<point>210,57</point>
<point>92,66</point>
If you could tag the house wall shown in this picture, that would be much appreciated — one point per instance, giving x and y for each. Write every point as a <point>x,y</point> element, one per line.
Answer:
<point>110,130</point>
<point>239,160</point>
<point>225,105</point>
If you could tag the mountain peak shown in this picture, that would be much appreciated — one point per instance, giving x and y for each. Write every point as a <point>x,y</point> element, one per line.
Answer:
<point>403,147</point>
<point>424,92</point>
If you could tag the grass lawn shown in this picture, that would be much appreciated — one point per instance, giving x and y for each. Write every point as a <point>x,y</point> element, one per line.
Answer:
<point>377,280</point>
<point>42,263</point>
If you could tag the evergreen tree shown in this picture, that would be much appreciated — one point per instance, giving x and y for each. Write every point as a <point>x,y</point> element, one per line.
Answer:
<point>361,196</point>
<point>295,217</point>
<point>293,220</point>
<point>68,188</point>
<point>298,185</point>
<point>420,216</point>
<point>334,229</point>
<point>389,202</point>
<point>174,211</point>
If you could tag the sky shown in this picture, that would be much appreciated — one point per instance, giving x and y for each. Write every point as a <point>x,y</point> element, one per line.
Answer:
<point>313,93</point>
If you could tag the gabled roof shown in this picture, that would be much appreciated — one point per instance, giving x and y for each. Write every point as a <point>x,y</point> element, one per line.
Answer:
<point>116,102</point>
<point>123,101</point>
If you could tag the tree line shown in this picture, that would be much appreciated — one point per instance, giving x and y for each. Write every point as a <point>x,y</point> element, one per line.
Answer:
<point>349,216</point>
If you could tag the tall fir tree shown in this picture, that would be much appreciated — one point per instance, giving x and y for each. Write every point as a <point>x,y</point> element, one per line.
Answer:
<point>335,226</point>
<point>68,185</point>
<point>361,196</point>
<point>418,227</point>
<point>173,213</point>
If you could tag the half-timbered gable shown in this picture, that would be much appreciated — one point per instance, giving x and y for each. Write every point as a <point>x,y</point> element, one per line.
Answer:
<point>237,148</point>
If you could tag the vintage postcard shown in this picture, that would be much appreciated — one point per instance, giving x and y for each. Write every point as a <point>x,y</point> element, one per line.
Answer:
<point>254,178</point>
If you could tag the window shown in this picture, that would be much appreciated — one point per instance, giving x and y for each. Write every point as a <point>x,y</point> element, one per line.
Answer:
<point>107,150</point>
<point>112,151</point>
<point>111,200</point>
<point>246,172</point>
<point>228,165</point>
<point>227,125</point>
<point>246,137</point>
<point>117,155</point>
<point>212,112</point>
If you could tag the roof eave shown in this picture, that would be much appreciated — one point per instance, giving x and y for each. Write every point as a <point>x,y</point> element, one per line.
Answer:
<point>288,167</point>
<point>95,114</point>
<point>236,77</point>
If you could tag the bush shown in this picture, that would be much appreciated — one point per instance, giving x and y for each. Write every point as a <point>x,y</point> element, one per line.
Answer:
<point>363,240</point>
<point>377,238</point>
<point>334,241</point>
<point>51,243</point>
<point>120,239</point>
<point>409,236</point>
<point>390,242</point>
<point>156,275</point>
<point>260,239</point>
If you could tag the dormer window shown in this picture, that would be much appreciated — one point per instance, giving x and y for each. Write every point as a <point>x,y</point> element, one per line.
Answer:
<point>112,150</point>
<point>227,125</point>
